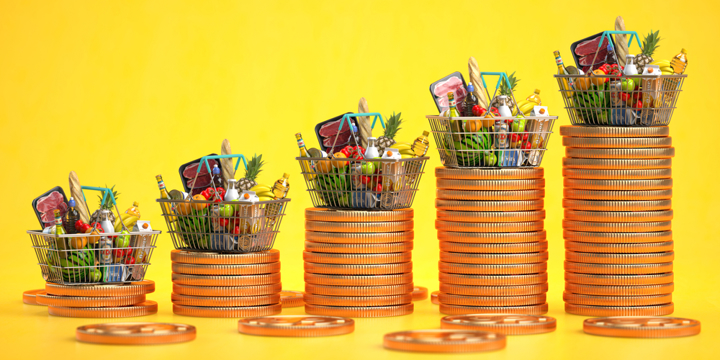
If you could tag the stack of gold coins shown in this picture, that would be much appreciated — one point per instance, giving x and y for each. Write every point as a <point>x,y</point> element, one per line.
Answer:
<point>493,248</point>
<point>98,301</point>
<point>358,263</point>
<point>618,240</point>
<point>207,284</point>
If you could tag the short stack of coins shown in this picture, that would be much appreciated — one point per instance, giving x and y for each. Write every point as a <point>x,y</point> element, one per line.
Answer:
<point>98,301</point>
<point>617,225</point>
<point>493,248</point>
<point>208,284</point>
<point>358,263</point>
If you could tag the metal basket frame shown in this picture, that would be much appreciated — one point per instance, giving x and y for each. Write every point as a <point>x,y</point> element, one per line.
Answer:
<point>58,254</point>
<point>466,149</point>
<point>205,225</point>
<point>348,183</point>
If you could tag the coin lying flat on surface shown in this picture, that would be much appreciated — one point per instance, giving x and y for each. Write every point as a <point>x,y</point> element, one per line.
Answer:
<point>508,324</point>
<point>614,131</point>
<point>296,325</point>
<point>135,333</point>
<point>136,288</point>
<point>588,310</point>
<point>360,311</point>
<point>419,293</point>
<point>148,307</point>
<point>208,258</point>
<point>89,302</point>
<point>290,298</point>
<point>442,172</point>
<point>30,296</point>
<point>642,327</point>
<point>320,214</point>
<point>444,341</point>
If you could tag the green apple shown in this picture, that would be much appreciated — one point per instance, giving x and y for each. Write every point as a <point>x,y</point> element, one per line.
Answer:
<point>368,168</point>
<point>226,211</point>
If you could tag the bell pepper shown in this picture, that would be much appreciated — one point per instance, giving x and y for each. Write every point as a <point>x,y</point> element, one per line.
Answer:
<point>347,151</point>
<point>213,194</point>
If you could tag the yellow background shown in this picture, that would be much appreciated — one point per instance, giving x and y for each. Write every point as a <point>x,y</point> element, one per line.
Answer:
<point>120,91</point>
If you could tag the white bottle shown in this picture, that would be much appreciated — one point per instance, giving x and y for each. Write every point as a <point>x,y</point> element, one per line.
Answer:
<point>231,193</point>
<point>630,68</point>
<point>105,223</point>
<point>371,152</point>
<point>503,109</point>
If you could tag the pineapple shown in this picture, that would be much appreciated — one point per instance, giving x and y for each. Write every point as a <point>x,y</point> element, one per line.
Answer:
<point>650,44</point>
<point>391,129</point>
<point>97,215</point>
<point>504,90</point>
<point>254,167</point>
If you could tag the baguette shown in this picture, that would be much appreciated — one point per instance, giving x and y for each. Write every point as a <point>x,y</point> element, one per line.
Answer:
<point>228,170</point>
<point>620,41</point>
<point>480,92</point>
<point>76,193</point>
<point>364,125</point>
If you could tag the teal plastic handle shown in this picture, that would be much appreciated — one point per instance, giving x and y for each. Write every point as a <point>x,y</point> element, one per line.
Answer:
<point>501,75</point>
<point>204,160</point>
<point>616,32</point>
<point>105,191</point>
<point>346,118</point>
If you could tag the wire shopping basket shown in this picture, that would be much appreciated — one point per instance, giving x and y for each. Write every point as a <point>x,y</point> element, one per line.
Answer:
<point>95,257</point>
<point>357,183</point>
<point>492,142</point>
<point>620,100</point>
<point>222,226</point>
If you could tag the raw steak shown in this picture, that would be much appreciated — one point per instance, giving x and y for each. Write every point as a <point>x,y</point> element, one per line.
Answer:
<point>342,139</point>
<point>190,171</point>
<point>331,128</point>
<point>202,181</point>
<point>48,204</point>
<point>587,59</point>
<point>453,84</point>
<point>590,46</point>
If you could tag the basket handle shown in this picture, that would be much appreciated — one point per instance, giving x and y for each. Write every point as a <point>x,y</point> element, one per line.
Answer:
<point>106,192</point>
<point>346,118</point>
<point>606,34</point>
<point>502,75</point>
<point>204,161</point>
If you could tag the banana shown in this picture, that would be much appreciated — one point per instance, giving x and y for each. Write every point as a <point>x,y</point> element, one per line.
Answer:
<point>265,194</point>
<point>261,188</point>
<point>527,107</point>
<point>406,156</point>
<point>666,68</point>
<point>660,62</point>
<point>265,198</point>
<point>401,146</point>
<point>129,223</point>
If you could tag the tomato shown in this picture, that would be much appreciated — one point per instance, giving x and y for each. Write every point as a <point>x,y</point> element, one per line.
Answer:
<point>130,260</point>
<point>378,188</point>
<point>478,110</point>
<point>624,96</point>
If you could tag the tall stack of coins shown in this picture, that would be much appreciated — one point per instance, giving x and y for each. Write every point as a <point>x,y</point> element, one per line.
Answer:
<point>358,263</point>
<point>207,284</point>
<point>493,248</point>
<point>98,301</point>
<point>618,239</point>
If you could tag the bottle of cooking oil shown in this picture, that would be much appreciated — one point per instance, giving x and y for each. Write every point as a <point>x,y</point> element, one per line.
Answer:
<point>535,97</point>
<point>167,206</point>
<point>568,84</point>
<point>679,62</point>
<point>281,187</point>
<point>420,145</point>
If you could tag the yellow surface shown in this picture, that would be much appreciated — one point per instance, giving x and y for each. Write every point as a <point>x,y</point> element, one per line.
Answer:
<point>120,91</point>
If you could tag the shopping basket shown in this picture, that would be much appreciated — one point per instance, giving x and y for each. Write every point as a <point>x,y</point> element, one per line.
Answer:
<point>493,144</point>
<point>222,226</point>
<point>359,183</point>
<point>620,100</point>
<point>96,257</point>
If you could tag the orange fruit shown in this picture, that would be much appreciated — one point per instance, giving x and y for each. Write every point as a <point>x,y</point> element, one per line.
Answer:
<point>489,122</point>
<point>324,166</point>
<point>94,236</point>
<point>598,81</point>
<point>78,242</point>
<point>339,163</point>
<point>473,125</point>
<point>183,208</point>
<point>196,205</point>
<point>582,83</point>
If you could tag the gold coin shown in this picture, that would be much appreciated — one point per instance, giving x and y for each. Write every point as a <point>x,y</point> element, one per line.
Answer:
<point>89,302</point>
<point>359,290</point>
<point>290,298</point>
<point>491,216</point>
<point>135,333</point>
<point>599,258</point>
<point>216,270</point>
<point>419,293</point>
<point>358,280</point>
<point>360,311</point>
<point>600,205</point>
<point>508,324</point>
<point>614,131</point>
<point>517,290</point>
<point>434,297</point>
<point>617,238</point>
<point>332,215</point>
<point>631,248</point>
<point>523,300</point>
<point>442,172</point>
<point>504,269</point>
<point>588,310</point>
<point>225,301</point>
<point>146,308</point>
<point>226,312</point>
<point>358,248</point>
<point>136,288</point>
<point>617,195</point>
<point>493,259</point>
<point>387,300</point>
<point>208,258</point>
<point>492,238</point>
<point>625,269</point>
<point>618,227</point>
<point>375,269</point>
<point>227,290</point>
<point>634,290</point>
<point>619,280</point>
<point>594,174</point>
<point>490,195</point>
<point>512,248</point>
<point>464,205</point>
<point>359,238</point>
<point>362,259</point>
<point>296,326</point>
<point>656,153</point>
<point>465,310</point>
<point>616,164</point>
<point>444,341</point>
<point>619,216</point>
<point>493,280</point>
<point>617,143</point>
<point>659,184</point>
<point>485,185</point>
<point>365,227</point>
<point>642,327</point>
<point>497,227</point>
<point>30,296</point>
<point>242,280</point>
<point>596,300</point>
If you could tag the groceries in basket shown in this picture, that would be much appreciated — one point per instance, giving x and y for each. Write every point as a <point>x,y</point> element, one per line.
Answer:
<point>244,216</point>
<point>104,247</point>
<point>503,133</point>
<point>385,175</point>
<point>612,87</point>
